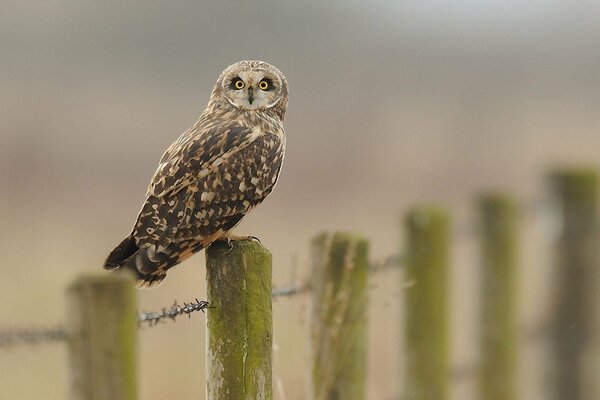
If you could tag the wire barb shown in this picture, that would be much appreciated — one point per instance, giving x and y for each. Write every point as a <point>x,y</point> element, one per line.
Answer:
<point>153,318</point>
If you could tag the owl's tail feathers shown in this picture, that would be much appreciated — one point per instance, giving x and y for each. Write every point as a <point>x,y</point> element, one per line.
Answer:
<point>121,253</point>
<point>127,255</point>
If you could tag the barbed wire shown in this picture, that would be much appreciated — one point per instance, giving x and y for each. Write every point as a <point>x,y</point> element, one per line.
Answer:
<point>153,318</point>
<point>387,263</point>
<point>291,290</point>
<point>304,287</point>
<point>31,336</point>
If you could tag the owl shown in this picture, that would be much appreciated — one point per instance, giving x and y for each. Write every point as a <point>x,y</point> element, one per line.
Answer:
<point>212,175</point>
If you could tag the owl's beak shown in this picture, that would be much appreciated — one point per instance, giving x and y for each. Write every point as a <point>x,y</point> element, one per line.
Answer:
<point>250,95</point>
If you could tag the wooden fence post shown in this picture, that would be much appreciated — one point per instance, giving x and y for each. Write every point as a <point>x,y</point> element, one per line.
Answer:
<point>427,304</point>
<point>576,277</point>
<point>498,260</point>
<point>339,316</point>
<point>102,338</point>
<point>239,321</point>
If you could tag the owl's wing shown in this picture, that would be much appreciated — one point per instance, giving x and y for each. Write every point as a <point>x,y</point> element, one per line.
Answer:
<point>194,154</point>
<point>204,186</point>
<point>184,170</point>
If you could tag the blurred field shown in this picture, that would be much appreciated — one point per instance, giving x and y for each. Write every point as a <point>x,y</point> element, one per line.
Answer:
<point>390,105</point>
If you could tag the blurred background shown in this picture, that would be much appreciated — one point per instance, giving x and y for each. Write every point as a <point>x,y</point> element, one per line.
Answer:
<point>392,104</point>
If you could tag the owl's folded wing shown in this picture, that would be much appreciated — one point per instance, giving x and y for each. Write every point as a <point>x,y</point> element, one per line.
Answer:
<point>195,154</point>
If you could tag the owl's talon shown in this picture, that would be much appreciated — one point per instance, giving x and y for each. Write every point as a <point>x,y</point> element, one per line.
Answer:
<point>228,241</point>
<point>255,238</point>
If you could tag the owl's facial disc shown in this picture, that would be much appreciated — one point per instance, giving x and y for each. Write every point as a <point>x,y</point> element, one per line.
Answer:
<point>252,89</point>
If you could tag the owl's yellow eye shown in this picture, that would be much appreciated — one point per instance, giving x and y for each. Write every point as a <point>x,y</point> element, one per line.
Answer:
<point>239,84</point>
<point>263,85</point>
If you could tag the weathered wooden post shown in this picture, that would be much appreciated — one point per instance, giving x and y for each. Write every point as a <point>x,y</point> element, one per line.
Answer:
<point>102,338</point>
<point>576,309</point>
<point>498,260</point>
<point>426,322</point>
<point>339,316</point>
<point>239,321</point>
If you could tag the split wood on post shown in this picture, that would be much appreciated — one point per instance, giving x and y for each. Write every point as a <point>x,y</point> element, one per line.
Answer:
<point>102,338</point>
<point>339,316</point>
<point>239,321</point>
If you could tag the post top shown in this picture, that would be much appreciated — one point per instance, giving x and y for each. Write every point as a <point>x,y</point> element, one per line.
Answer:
<point>237,246</point>
<point>102,278</point>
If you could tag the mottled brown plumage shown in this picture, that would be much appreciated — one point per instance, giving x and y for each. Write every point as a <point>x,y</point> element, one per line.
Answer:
<point>212,175</point>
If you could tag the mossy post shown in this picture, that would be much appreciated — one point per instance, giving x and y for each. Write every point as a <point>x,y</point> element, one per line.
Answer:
<point>339,316</point>
<point>239,321</point>
<point>102,332</point>
<point>573,331</point>
<point>427,251</point>
<point>498,260</point>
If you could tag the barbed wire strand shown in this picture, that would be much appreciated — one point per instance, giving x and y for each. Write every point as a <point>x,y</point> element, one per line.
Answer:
<point>291,290</point>
<point>303,287</point>
<point>153,318</point>
<point>33,336</point>
<point>30,336</point>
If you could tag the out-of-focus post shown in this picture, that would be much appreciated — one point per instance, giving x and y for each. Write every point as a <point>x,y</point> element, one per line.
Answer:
<point>427,251</point>
<point>575,305</point>
<point>498,260</point>
<point>102,338</point>
<point>339,316</point>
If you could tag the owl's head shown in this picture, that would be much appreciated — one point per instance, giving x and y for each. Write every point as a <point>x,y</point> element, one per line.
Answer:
<point>253,85</point>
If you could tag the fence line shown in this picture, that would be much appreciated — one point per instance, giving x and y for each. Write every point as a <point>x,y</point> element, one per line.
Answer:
<point>469,230</point>
<point>425,264</point>
<point>10,337</point>
<point>31,336</point>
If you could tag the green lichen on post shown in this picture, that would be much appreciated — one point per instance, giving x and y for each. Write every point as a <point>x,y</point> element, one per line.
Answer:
<point>574,328</point>
<point>427,251</point>
<point>499,226</point>
<point>339,316</point>
<point>239,321</point>
<point>102,333</point>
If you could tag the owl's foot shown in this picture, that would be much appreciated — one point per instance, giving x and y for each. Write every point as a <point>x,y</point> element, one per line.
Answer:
<point>229,238</point>
<point>234,238</point>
